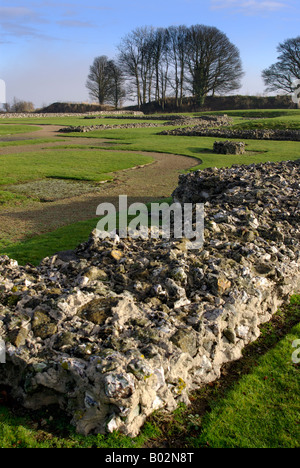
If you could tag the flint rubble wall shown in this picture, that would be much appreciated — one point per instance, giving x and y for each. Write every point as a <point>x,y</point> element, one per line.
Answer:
<point>290,135</point>
<point>204,121</point>
<point>11,115</point>
<point>118,328</point>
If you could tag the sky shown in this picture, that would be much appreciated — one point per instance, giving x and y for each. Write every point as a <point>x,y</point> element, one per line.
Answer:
<point>47,47</point>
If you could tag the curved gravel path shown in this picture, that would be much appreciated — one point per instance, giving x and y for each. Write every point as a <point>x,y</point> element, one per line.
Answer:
<point>148,183</point>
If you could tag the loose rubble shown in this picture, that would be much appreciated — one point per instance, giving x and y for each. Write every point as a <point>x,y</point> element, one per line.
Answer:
<point>229,147</point>
<point>119,328</point>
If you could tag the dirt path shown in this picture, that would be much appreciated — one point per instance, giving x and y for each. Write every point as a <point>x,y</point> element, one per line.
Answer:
<point>149,183</point>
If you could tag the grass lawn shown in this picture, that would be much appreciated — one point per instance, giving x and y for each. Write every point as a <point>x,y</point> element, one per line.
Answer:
<point>9,199</point>
<point>85,164</point>
<point>10,129</point>
<point>147,139</point>
<point>281,123</point>
<point>4,144</point>
<point>265,118</point>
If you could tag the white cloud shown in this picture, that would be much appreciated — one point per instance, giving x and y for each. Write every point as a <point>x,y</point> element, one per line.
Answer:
<point>249,6</point>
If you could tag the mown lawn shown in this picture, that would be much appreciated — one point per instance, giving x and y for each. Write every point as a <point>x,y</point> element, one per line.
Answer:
<point>91,165</point>
<point>11,129</point>
<point>4,144</point>
<point>148,139</point>
<point>76,121</point>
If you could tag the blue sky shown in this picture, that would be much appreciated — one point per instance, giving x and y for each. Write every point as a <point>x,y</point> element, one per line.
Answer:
<point>46,47</point>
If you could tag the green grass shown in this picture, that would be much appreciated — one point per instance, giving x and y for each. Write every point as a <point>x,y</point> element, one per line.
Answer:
<point>76,121</point>
<point>264,119</point>
<point>10,129</point>
<point>20,432</point>
<point>281,123</point>
<point>4,144</point>
<point>147,139</point>
<point>11,199</point>
<point>85,164</point>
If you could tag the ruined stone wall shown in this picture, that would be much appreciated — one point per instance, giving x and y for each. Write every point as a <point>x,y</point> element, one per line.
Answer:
<point>118,328</point>
<point>203,121</point>
<point>10,115</point>
<point>265,134</point>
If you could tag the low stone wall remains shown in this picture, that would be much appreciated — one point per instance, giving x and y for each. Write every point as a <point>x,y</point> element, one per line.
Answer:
<point>290,135</point>
<point>204,121</point>
<point>10,115</point>
<point>229,147</point>
<point>119,328</point>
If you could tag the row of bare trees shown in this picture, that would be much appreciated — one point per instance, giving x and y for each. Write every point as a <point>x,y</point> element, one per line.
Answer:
<point>153,63</point>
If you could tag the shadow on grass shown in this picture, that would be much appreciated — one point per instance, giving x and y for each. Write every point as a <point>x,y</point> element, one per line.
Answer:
<point>200,151</point>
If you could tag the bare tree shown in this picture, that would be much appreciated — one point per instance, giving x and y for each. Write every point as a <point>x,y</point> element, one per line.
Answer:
<point>136,61</point>
<point>177,50</point>
<point>146,39</point>
<point>281,75</point>
<point>213,61</point>
<point>200,59</point>
<point>99,79</point>
<point>160,48</point>
<point>129,60</point>
<point>143,56</point>
<point>117,91</point>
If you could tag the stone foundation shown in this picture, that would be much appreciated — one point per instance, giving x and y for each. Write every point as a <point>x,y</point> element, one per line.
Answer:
<point>205,122</point>
<point>20,115</point>
<point>119,328</point>
<point>281,135</point>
